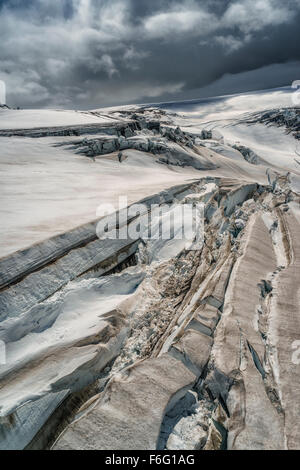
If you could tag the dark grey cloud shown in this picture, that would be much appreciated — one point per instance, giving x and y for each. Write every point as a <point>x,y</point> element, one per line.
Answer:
<point>93,53</point>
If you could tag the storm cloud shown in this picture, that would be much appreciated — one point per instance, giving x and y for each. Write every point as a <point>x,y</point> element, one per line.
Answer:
<point>94,53</point>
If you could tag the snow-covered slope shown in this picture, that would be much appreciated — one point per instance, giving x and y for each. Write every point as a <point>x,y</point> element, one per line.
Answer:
<point>47,190</point>
<point>79,313</point>
<point>37,118</point>
<point>225,115</point>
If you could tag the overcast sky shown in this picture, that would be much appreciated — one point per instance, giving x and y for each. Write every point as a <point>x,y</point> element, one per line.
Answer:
<point>94,53</point>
